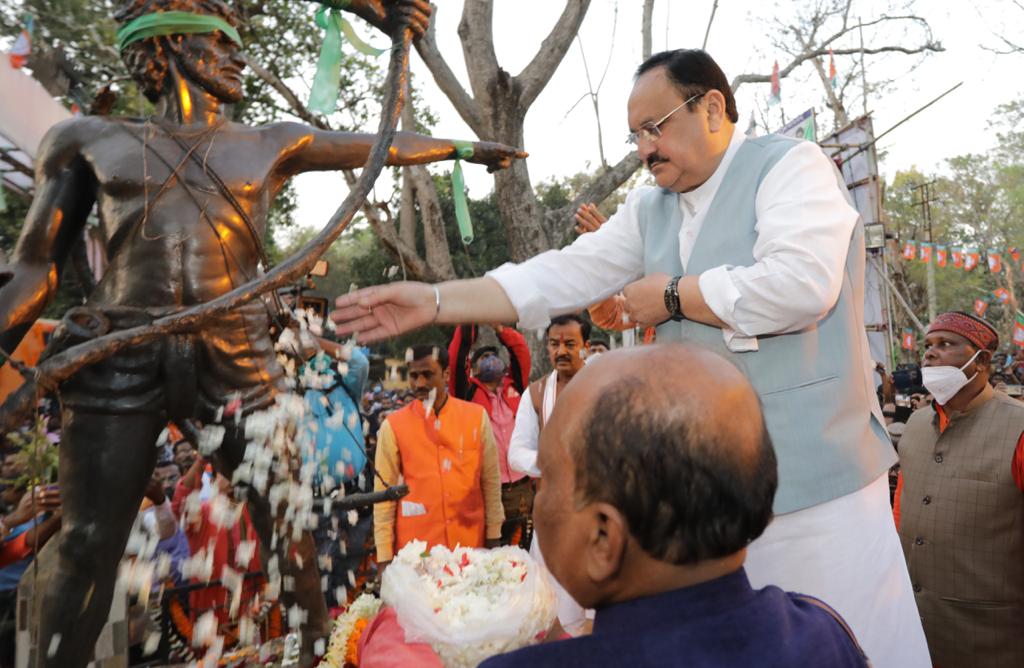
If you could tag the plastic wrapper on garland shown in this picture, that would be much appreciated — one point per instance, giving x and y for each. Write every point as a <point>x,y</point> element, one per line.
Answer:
<point>469,604</point>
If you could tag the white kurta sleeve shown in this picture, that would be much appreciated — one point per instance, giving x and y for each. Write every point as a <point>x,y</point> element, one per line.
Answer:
<point>804,225</point>
<point>522,446</point>
<point>592,268</point>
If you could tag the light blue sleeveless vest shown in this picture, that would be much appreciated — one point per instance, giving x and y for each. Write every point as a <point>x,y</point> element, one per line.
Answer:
<point>815,385</point>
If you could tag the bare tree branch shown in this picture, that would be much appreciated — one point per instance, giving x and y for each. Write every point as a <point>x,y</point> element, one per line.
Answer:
<point>552,50</point>
<point>559,220</point>
<point>295,105</point>
<point>592,94</point>
<point>714,8</point>
<point>817,53</point>
<point>645,28</point>
<point>446,80</point>
<point>476,33</point>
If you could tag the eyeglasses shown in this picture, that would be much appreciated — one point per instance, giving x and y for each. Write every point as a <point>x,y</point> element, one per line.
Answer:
<point>652,131</point>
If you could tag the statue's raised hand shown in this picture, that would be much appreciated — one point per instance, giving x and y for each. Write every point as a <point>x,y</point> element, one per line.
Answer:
<point>385,14</point>
<point>496,156</point>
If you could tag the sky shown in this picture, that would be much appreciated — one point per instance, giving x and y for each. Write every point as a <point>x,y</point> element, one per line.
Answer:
<point>562,138</point>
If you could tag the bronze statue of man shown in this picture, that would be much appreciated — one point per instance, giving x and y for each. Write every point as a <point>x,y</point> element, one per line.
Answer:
<point>183,199</point>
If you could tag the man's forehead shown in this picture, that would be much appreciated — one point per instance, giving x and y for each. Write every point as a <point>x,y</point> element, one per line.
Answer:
<point>651,92</point>
<point>428,363</point>
<point>570,330</point>
<point>939,335</point>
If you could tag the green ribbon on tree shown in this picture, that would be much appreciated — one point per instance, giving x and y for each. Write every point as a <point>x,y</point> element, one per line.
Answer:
<point>323,98</point>
<point>463,151</point>
<point>159,24</point>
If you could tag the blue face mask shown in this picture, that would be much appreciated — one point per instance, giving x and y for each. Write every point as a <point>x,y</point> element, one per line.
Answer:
<point>490,369</point>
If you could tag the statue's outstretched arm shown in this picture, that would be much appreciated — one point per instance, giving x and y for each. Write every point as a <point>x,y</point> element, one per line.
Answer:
<point>65,193</point>
<point>310,149</point>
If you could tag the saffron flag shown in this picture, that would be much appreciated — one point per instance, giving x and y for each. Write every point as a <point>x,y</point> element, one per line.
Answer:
<point>1002,294</point>
<point>957,256</point>
<point>909,250</point>
<point>907,342</point>
<point>22,48</point>
<point>980,306</point>
<point>995,261</point>
<point>776,96</point>
<point>940,256</point>
<point>831,68</point>
<point>1018,330</point>
<point>1014,253</point>
<point>926,252</point>
<point>971,259</point>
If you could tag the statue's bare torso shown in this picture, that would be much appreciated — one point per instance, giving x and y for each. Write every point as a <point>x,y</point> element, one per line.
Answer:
<point>175,240</point>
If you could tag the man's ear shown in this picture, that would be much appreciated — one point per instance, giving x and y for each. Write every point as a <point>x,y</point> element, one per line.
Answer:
<point>983,360</point>
<point>716,109</point>
<point>605,549</point>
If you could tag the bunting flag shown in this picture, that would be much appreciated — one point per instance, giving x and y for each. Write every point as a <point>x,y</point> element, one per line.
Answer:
<point>926,252</point>
<point>1002,294</point>
<point>1018,330</point>
<point>995,261</point>
<point>1014,253</point>
<point>907,341</point>
<point>940,256</point>
<point>980,306</point>
<point>22,48</point>
<point>958,258</point>
<point>832,79</point>
<point>776,96</point>
<point>971,259</point>
<point>909,250</point>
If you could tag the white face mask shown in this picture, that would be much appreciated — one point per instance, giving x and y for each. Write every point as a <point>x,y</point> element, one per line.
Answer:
<point>945,381</point>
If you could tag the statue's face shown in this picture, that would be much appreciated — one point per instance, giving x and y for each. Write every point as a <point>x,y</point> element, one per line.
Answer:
<point>213,62</point>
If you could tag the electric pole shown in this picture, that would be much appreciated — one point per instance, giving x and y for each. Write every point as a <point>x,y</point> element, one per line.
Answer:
<point>925,192</point>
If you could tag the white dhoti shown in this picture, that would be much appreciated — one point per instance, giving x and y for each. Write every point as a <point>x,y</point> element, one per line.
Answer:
<point>847,553</point>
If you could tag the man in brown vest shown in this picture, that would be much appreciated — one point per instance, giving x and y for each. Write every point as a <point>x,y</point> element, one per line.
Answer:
<point>960,502</point>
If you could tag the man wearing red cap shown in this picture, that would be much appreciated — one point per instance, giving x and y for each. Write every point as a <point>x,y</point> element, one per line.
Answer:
<point>960,502</point>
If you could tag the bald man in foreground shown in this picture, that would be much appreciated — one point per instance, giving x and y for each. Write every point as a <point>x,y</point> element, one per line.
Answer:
<point>658,471</point>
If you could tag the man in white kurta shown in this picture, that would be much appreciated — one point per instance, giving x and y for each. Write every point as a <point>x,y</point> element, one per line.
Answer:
<point>843,547</point>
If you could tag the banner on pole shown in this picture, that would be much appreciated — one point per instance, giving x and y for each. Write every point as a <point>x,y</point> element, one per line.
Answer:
<point>957,256</point>
<point>971,259</point>
<point>1018,330</point>
<point>909,250</point>
<point>940,256</point>
<point>926,252</point>
<point>908,341</point>
<point>803,126</point>
<point>995,261</point>
<point>1002,294</point>
<point>980,306</point>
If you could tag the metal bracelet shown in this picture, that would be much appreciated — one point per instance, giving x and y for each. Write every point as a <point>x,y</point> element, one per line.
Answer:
<point>437,303</point>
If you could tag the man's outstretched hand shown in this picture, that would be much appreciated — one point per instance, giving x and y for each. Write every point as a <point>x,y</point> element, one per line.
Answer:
<point>496,156</point>
<point>384,311</point>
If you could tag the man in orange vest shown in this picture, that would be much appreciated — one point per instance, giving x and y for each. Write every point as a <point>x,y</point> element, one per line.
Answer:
<point>443,449</point>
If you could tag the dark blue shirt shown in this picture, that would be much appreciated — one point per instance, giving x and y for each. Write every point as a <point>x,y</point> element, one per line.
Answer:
<point>724,622</point>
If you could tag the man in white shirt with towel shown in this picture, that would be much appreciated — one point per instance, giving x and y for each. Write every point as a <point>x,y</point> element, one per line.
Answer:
<point>567,341</point>
<point>749,247</point>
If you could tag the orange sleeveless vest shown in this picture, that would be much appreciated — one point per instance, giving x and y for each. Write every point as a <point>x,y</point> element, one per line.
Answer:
<point>442,459</point>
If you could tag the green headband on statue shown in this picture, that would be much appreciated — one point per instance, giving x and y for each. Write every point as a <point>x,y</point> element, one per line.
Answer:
<point>173,23</point>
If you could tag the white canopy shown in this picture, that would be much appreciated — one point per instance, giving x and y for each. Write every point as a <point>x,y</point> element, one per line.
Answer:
<point>27,111</point>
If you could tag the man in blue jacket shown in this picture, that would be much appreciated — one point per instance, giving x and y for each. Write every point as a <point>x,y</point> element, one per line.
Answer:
<point>658,472</point>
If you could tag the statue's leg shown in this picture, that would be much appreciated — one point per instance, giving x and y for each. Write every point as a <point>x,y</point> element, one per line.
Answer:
<point>297,560</point>
<point>105,462</point>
